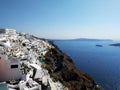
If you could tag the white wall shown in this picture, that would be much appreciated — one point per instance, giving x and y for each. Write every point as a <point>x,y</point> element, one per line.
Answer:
<point>13,73</point>
<point>8,73</point>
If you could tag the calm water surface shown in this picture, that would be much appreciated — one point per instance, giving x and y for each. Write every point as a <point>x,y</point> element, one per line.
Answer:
<point>102,63</point>
<point>3,86</point>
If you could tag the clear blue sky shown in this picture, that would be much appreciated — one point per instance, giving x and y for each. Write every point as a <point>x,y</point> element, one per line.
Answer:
<point>63,18</point>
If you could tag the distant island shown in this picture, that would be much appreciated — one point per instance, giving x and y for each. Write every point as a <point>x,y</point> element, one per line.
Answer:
<point>83,39</point>
<point>98,45</point>
<point>87,39</point>
<point>116,44</point>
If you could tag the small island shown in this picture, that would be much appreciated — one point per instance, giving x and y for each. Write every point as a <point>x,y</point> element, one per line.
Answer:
<point>98,45</point>
<point>116,44</point>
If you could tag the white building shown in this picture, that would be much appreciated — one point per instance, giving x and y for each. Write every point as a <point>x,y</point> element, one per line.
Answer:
<point>7,31</point>
<point>9,69</point>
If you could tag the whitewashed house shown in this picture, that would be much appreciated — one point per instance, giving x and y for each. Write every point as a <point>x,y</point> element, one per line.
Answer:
<point>9,69</point>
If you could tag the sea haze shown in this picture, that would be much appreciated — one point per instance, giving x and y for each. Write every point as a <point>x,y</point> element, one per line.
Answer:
<point>102,63</point>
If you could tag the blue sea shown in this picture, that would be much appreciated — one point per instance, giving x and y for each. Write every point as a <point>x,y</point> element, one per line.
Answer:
<point>102,63</point>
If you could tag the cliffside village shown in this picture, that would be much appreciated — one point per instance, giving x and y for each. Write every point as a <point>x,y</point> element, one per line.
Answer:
<point>21,62</point>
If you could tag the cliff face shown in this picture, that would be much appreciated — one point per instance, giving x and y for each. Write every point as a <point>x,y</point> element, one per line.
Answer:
<point>62,68</point>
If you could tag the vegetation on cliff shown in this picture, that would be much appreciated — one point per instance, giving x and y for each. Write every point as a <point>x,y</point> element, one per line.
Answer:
<point>62,68</point>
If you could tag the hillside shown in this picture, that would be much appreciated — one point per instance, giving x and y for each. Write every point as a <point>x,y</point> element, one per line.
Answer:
<point>62,68</point>
<point>38,63</point>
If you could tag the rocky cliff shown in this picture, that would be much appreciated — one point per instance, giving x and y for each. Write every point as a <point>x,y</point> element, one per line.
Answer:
<point>62,68</point>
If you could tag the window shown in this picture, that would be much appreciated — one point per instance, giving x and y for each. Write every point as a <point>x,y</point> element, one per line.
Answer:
<point>14,66</point>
